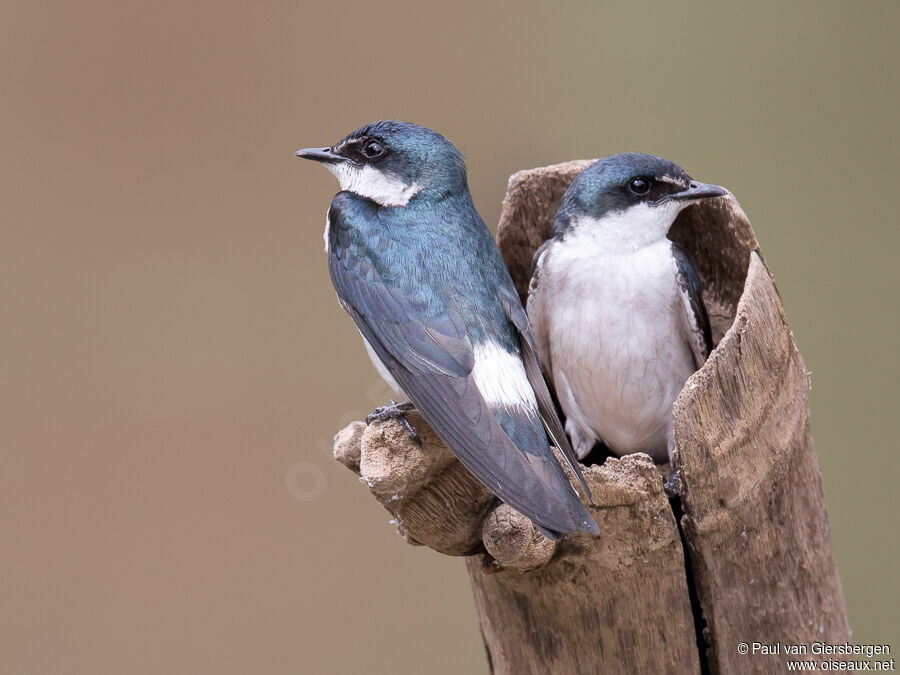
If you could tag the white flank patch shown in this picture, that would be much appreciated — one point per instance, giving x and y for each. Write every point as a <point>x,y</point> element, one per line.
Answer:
<point>538,266</point>
<point>327,228</point>
<point>500,377</point>
<point>369,182</point>
<point>577,425</point>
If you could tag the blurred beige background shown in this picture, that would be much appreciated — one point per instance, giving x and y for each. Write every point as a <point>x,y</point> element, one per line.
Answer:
<point>174,362</point>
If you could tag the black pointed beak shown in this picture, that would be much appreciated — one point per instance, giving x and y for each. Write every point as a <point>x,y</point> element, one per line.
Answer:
<point>697,190</point>
<point>324,155</point>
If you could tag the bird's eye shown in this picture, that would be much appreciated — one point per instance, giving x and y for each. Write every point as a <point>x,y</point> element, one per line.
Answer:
<point>639,186</point>
<point>373,149</point>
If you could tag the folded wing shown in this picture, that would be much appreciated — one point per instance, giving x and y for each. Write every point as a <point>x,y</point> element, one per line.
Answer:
<point>425,346</point>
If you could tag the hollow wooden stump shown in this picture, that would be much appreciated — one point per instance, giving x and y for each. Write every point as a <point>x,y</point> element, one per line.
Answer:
<point>743,556</point>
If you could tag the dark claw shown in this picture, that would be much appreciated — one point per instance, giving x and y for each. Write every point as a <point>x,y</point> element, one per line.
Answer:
<point>672,485</point>
<point>395,411</point>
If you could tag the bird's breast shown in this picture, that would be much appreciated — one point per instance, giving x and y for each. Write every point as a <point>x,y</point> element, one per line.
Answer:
<point>615,334</point>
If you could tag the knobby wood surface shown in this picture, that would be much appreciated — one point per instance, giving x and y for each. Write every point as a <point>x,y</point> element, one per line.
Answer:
<point>753,547</point>
<point>616,603</point>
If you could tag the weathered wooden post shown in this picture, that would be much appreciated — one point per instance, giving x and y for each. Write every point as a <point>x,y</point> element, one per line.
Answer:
<point>744,555</point>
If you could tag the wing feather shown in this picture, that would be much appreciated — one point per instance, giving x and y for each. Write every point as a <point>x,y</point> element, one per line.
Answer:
<point>697,319</point>
<point>546,407</point>
<point>426,348</point>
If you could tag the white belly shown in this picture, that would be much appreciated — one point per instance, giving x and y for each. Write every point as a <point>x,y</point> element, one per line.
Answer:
<point>619,359</point>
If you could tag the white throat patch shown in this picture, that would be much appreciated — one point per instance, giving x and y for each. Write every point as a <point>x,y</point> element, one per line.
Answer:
<point>369,182</point>
<point>630,229</point>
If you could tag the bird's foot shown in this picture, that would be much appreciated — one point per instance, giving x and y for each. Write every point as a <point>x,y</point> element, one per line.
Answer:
<point>672,485</point>
<point>395,411</point>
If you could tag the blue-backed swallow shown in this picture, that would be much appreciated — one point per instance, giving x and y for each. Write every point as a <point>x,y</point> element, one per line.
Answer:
<point>420,275</point>
<point>617,307</point>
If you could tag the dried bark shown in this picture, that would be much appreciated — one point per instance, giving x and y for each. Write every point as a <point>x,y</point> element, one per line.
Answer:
<point>615,603</point>
<point>753,549</point>
<point>755,519</point>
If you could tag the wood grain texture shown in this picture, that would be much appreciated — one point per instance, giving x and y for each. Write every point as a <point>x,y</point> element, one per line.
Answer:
<point>532,198</point>
<point>433,498</point>
<point>755,518</point>
<point>617,603</point>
